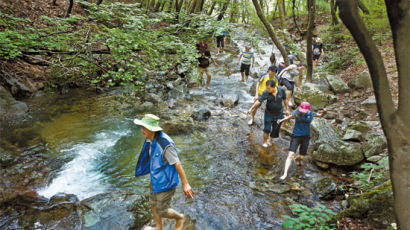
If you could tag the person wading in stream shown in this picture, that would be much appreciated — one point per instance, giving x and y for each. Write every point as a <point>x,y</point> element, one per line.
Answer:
<point>274,95</point>
<point>301,134</point>
<point>261,87</point>
<point>246,56</point>
<point>286,78</point>
<point>204,63</point>
<point>159,158</point>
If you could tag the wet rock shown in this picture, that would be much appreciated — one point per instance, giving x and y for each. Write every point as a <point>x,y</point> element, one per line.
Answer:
<point>311,93</point>
<point>178,92</point>
<point>179,125</point>
<point>192,84</point>
<point>147,105</point>
<point>323,132</point>
<point>116,210</point>
<point>369,102</point>
<point>201,113</point>
<point>30,211</point>
<point>337,84</point>
<point>339,152</point>
<point>374,207</point>
<point>9,107</point>
<point>154,98</point>
<point>230,100</point>
<point>361,81</point>
<point>375,143</point>
<point>172,103</point>
<point>325,188</point>
<point>352,135</point>
<point>268,186</point>
<point>6,159</point>
<point>252,89</point>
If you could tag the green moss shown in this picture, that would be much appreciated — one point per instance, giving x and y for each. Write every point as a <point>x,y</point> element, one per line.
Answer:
<point>375,206</point>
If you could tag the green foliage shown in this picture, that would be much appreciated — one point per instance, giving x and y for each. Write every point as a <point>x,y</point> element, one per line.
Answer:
<point>115,44</point>
<point>308,218</point>
<point>372,174</point>
<point>377,21</point>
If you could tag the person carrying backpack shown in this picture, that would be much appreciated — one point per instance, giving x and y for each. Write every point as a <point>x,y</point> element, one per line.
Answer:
<point>317,50</point>
<point>220,40</point>
<point>204,63</point>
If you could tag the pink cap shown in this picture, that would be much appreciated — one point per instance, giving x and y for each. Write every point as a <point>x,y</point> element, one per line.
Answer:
<point>304,107</point>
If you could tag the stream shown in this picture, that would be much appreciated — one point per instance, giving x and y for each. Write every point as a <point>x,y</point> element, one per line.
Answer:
<point>234,178</point>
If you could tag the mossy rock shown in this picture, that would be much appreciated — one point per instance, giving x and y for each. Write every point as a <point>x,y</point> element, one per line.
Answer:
<point>374,207</point>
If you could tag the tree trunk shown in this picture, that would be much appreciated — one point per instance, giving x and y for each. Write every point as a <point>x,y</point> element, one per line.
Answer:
<point>223,11</point>
<point>281,14</point>
<point>55,2</point>
<point>70,8</point>
<point>211,10</point>
<point>311,20</point>
<point>395,122</point>
<point>157,6</point>
<point>333,12</point>
<point>99,2</point>
<point>363,7</point>
<point>162,6</point>
<point>271,32</point>
<point>170,5</point>
<point>294,17</point>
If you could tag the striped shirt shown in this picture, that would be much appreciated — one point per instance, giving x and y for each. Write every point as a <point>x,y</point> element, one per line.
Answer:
<point>246,57</point>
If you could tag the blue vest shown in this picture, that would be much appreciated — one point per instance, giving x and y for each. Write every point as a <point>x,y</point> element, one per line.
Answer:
<point>163,175</point>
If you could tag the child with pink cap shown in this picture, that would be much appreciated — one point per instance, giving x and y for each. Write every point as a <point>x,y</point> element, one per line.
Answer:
<point>301,133</point>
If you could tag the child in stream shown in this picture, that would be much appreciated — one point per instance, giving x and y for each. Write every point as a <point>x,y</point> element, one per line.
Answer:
<point>301,133</point>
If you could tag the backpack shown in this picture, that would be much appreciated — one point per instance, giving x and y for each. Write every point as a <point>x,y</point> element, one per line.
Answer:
<point>316,51</point>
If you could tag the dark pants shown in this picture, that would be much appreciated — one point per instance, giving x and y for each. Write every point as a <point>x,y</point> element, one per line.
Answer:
<point>271,124</point>
<point>220,41</point>
<point>290,85</point>
<point>245,68</point>
<point>302,141</point>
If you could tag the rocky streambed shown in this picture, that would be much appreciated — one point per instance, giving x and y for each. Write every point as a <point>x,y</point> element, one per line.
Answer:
<point>67,160</point>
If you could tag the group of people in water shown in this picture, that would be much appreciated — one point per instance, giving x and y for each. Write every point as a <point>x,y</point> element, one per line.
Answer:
<point>159,157</point>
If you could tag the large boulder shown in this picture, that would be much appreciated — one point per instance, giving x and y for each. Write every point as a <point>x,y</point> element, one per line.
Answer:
<point>321,82</point>
<point>340,153</point>
<point>116,210</point>
<point>361,81</point>
<point>352,135</point>
<point>374,207</point>
<point>375,143</point>
<point>312,94</point>
<point>323,132</point>
<point>337,84</point>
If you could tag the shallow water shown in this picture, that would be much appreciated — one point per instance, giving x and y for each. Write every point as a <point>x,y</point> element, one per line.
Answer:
<point>231,173</point>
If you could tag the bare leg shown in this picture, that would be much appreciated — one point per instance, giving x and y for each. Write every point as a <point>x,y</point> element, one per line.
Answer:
<point>288,96</point>
<point>265,139</point>
<point>179,217</point>
<point>253,117</point>
<point>299,159</point>
<point>300,81</point>
<point>291,156</point>
<point>217,50</point>
<point>242,74</point>
<point>208,80</point>
<point>246,80</point>
<point>201,74</point>
<point>157,218</point>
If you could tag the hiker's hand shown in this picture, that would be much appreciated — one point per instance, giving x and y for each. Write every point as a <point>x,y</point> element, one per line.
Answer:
<point>324,110</point>
<point>279,121</point>
<point>287,112</point>
<point>188,191</point>
<point>255,98</point>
